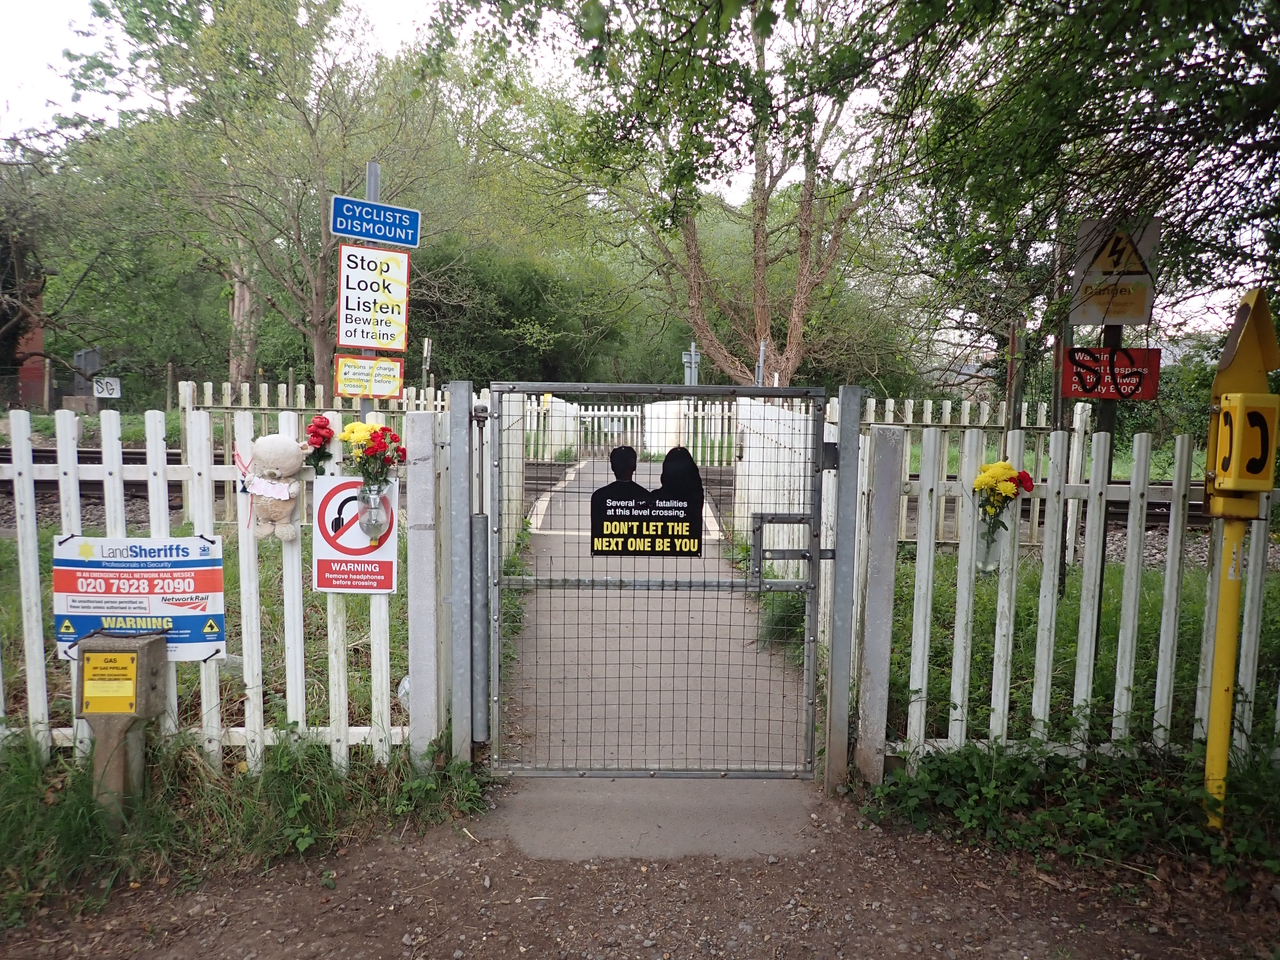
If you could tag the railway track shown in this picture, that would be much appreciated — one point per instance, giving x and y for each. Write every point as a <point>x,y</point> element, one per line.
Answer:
<point>1117,510</point>
<point>92,489</point>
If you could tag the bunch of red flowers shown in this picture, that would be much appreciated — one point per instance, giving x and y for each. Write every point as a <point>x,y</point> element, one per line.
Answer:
<point>319,433</point>
<point>381,451</point>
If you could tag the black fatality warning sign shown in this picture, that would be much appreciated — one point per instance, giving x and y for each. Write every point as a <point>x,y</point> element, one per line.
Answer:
<point>629,521</point>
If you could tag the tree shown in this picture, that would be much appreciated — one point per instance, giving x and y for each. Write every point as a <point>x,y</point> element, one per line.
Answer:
<point>265,108</point>
<point>679,97</point>
<point>495,315</point>
<point>1019,120</point>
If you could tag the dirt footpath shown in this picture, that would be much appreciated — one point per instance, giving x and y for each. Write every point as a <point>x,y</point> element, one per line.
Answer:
<point>466,891</point>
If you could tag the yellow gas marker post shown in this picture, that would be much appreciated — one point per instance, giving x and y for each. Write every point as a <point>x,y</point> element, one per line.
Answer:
<point>1240,467</point>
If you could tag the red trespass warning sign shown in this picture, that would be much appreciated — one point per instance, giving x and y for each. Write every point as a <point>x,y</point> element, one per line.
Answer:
<point>344,558</point>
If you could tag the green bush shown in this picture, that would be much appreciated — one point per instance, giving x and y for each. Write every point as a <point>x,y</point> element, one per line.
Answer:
<point>1135,805</point>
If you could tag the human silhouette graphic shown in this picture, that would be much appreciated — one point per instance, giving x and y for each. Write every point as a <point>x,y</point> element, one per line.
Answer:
<point>624,492</point>
<point>681,486</point>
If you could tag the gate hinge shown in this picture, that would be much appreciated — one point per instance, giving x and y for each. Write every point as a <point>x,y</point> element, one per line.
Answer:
<point>830,455</point>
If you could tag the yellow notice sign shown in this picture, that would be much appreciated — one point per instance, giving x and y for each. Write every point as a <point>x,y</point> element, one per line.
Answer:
<point>378,378</point>
<point>1114,283</point>
<point>110,682</point>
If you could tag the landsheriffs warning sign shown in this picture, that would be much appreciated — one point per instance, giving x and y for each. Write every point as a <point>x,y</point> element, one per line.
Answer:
<point>373,298</point>
<point>343,557</point>
<point>379,378</point>
<point>132,586</point>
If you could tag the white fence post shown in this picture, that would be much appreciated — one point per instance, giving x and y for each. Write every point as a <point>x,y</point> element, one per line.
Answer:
<point>295,664</point>
<point>1255,592</point>
<point>1131,595</point>
<point>1046,621</point>
<point>967,533</point>
<point>1166,658</point>
<point>199,432</point>
<point>68,434</point>
<point>1207,632</point>
<point>336,638</point>
<point>922,611</point>
<point>380,659</point>
<point>1006,602</point>
<point>158,509</point>
<point>24,495</point>
<point>250,601</point>
<point>1095,533</point>
<point>1075,474</point>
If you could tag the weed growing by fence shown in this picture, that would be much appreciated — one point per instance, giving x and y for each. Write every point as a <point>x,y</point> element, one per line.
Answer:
<point>1135,805</point>
<point>782,624</point>
<point>55,842</point>
<point>515,565</point>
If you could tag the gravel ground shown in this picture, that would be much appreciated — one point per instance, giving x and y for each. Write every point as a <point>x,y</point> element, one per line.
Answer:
<point>92,511</point>
<point>861,892</point>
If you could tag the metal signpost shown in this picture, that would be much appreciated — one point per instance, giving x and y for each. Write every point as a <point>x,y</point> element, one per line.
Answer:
<point>1239,468</point>
<point>1114,288</point>
<point>373,289</point>
<point>691,359</point>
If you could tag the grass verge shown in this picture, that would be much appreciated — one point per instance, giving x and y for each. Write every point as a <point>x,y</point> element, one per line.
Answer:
<point>1133,808</point>
<point>55,843</point>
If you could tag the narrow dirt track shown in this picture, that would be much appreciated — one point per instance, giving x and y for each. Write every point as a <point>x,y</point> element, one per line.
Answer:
<point>456,892</point>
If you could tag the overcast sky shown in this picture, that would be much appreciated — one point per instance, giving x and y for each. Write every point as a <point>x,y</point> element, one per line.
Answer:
<point>32,88</point>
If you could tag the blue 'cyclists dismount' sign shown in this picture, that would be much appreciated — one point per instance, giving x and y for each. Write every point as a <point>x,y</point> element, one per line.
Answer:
<point>369,220</point>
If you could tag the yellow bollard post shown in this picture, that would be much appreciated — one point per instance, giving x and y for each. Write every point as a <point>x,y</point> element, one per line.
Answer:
<point>1225,644</point>
<point>1239,468</point>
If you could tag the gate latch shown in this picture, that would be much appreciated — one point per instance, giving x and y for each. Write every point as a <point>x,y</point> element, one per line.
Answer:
<point>830,455</point>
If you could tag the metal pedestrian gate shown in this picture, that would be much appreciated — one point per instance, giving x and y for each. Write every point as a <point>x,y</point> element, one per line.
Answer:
<point>646,646</point>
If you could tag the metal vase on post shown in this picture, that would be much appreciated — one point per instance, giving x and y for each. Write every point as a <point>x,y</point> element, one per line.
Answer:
<point>372,509</point>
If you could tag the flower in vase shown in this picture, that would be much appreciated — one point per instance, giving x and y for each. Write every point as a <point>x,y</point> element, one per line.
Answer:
<point>996,486</point>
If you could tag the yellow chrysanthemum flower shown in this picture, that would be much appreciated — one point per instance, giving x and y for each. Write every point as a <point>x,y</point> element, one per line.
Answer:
<point>1006,488</point>
<point>983,481</point>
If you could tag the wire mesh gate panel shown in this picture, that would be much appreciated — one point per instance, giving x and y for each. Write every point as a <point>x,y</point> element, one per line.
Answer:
<point>653,665</point>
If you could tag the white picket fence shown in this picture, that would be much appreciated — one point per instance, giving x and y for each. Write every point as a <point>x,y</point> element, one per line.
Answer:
<point>770,446</point>
<point>219,698</point>
<point>1061,495</point>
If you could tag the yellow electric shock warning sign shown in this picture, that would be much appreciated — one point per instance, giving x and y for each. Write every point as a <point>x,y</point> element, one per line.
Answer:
<point>110,682</point>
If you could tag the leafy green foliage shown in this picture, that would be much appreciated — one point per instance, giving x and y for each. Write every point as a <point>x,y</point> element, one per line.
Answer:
<point>1133,804</point>
<point>499,316</point>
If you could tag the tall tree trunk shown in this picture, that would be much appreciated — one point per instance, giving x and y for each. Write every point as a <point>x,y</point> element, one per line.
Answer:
<point>322,354</point>
<point>246,313</point>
